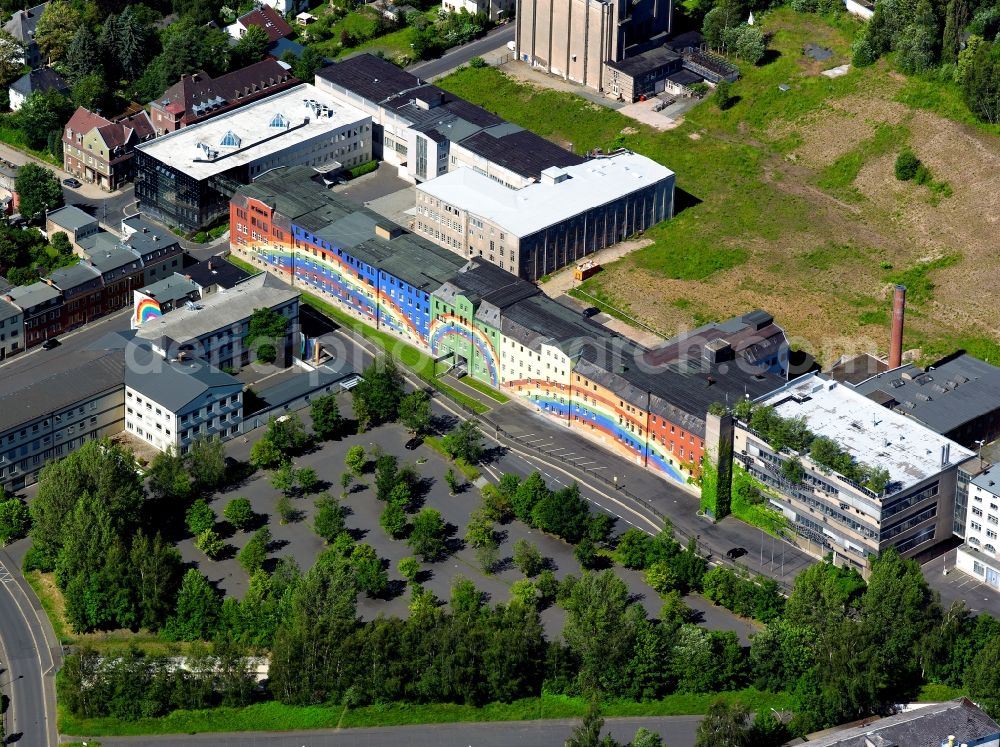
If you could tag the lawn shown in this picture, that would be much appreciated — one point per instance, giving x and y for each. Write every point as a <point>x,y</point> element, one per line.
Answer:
<point>787,200</point>
<point>277,717</point>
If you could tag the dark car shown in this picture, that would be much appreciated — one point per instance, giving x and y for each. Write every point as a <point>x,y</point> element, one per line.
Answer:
<point>736,552</point>
<point>72,183</point>
<point>50,343</point>
<point>591,311</point>
<point>413,443</point>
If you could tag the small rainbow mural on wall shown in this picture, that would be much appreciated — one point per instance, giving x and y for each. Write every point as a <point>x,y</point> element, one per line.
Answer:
<point>450,326</point>
<point>146,308</point>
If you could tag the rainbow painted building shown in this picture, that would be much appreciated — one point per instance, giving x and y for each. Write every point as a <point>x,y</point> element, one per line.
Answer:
<point>648,406</point>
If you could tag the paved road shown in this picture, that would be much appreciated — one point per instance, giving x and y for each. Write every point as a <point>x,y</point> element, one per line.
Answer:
<point>451,59</point>
<point>108,208</point>
<point>677,731</point>
<point>29,658</point>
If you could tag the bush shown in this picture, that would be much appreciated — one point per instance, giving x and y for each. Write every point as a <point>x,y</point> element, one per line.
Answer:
<point>329,520</point>
<point>528,558</point>
<point>477,62</point>
<point>393,520</point>
<point>210,543</point>
<point>365,168</point>
<point>199,517</point>
<point>907,166</point>
<point>15,520</point>
<point>254,553</point>
<point>723,96</point>
<point>408,568</point>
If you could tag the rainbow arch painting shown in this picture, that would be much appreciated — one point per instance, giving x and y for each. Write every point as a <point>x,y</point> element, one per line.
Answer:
<point>449,326</point>
<point>146,308</point>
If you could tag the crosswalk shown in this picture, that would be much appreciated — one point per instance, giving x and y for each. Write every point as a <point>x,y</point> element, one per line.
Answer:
<point>5,577</point>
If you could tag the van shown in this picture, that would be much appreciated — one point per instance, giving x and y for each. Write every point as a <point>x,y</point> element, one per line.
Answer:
<point>511,45</point>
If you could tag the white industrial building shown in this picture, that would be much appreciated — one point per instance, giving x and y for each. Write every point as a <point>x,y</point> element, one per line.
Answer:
<point>980,555</point>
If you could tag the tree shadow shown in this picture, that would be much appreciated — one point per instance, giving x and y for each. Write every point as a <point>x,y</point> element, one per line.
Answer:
<point>503,564</point>
<point>452,542</point>
<point>501,536</point>
<point>238,473</point>
<point>770,55</point>
<point>549,564</point>
<point>277,544</point>
<point>731,102</point>
<point>423,576</point>
<point>357,534</point>
<point>696,617</point>
<point>13,738</point>
<point>600,563</point>
<point>395,588</point>
<point>635,598</point>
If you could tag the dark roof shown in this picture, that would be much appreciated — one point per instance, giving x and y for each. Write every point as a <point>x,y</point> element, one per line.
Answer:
<point>522,151</point>
<point>268,19</point>
<point>684,78</point>
<point>199,96</point>
<point>23,23</point>
<point>43,79</point>
<point>290,387</point>
<point>42,384</point>
<point>7,309</point>
<point>369,76</point>
<point>943,398</point>
<point>279,47</point>
<point>927,726</point>
<point>539,319</point>
<point>857,369</point>
<point>647,62</point>
<point>71,218</point>
<point>68,279</point>
<point>172,383</point>
<point>215,271</point>
<point>151,241</point>
<point>687,40</point>
<point>484,282</point>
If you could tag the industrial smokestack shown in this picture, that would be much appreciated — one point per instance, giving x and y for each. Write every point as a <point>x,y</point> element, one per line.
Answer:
<point>896,341</point>
<point>316,351</point>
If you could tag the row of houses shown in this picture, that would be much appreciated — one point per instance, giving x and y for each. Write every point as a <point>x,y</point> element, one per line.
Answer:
<point>102,282</point>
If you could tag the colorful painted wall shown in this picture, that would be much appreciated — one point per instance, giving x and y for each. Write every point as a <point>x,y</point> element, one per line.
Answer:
<point>454,330</point>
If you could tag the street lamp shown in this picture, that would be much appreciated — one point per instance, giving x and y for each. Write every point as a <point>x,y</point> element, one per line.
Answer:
<point>980,443</point>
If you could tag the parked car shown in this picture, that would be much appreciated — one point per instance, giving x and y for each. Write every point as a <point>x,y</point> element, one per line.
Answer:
<point>72,183</point>
<point>591,311</point>
<point>413,443</point>
<point>736,552</point>
<point>50,343</point>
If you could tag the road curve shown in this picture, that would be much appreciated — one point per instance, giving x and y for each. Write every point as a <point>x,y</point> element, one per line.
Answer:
<point>677,731</point>
<point>30,654</point>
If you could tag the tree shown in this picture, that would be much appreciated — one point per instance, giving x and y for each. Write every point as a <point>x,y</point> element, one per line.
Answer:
<point>750,45</point>
<point>198,610</point>
<point>91,92</point>
<point>480,532</point>
<point>345,484</point>
<point>409,568</point>
<point>210,543</point>
<point>632,547</point>
<point>527,495</point>
<point>267,330</point>
<point>254,552</point>
<point>377,395</point>
<point>199,517</point>
<point>206,460</point>
<point>265,455</point>
<point>239,513</point>
<point>325,414</point>
<point>563,513</point>
<point>981,81</point>
<point>917,46</point>
<point>369,573</point>
<point>386,478</point>
<point>661,577</point>
<point>393,520</point>
<point>528,558</point>
<point>251,47</point>
<point>80,58</point>
<point>56,28</point>
<point>306,64</point>
<point>168,477</point>
<point>588,733</point>
<point>956,17</point>
<point>329,520</point>
<point>464,442</point>
<point>356,460</point>
<point>906,168</point>
<point>645,738</point>
<point>286,511</point>
<point>157,567</point>
<point>283,479</point>
<point>38,188</point>
<point>415,411</point>
<point>11,58</point>
<point>15,520</point>
<point>308,481</point>
<point>725,725</point>
<point>287,434</point>
<point>718,21</point>
<point>427,535</point>
<point>495,504</point>
<point>452,479</point>
<point>723,94</point>
<point>125,39</point>
<point>983,677</point>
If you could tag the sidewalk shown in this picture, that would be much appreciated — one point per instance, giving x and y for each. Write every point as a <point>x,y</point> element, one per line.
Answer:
<point>19,158</point>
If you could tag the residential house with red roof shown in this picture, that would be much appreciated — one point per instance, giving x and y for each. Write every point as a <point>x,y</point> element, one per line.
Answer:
<point>99,151</point>
<point>198,97</point>
<point>267,18</point>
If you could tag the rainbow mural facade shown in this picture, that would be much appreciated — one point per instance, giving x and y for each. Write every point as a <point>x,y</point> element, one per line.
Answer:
<point>448,334</point>
<point>144,308</point>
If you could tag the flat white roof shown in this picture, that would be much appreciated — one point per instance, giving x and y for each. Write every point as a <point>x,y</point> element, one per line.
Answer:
<point>254,131</point>
<point>872,434</point>
<point>525,211</point>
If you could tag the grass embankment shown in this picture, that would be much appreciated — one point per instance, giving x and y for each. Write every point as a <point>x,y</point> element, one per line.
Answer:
<point>787,200</point>
<point>470,472</point>
<point>420,363</point>
<point>277,717</point>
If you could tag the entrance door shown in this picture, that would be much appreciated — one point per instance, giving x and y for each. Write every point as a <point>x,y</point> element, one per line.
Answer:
<point>993,578</point>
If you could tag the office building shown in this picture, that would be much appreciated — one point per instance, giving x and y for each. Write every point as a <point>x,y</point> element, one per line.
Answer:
<point>979,556</point>
<point>911,510</point>
<point>537,229</point>
<point>186,178</point>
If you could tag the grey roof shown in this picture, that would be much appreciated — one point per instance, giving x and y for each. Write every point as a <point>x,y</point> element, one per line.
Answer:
<point>114,259</point>
<point>857,369</point>
<point>73,276</point>
<point>23,23</point>
<point>172,383</point>
<point>299,383</point>
<point>369,76</point>
<point>28,296</point>
<point>71,218</point>
<point>539,319</point>
<point>341,223</point>
<point>927,726</point>
<point>215,271</point>
<point>149,239</point>
<point>647,62</point>
<point>41,80</point>
<point>8,311</point>
<point>97,242</point>
<point>46,384</point>
<point>5,284</point>
<point>943,398</point>
<point>220,310</point>
<point>171,289</point>
<point>988,479</point>
<point>484,282</point>
<point>521,151</point>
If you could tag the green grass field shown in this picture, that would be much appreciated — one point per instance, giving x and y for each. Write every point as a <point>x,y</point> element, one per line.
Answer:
<point>273,716</point>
